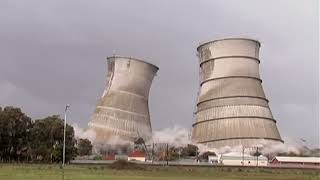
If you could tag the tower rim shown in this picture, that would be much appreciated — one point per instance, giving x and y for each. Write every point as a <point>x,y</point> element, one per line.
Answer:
<point>132,58</point>
<point>226,39</point>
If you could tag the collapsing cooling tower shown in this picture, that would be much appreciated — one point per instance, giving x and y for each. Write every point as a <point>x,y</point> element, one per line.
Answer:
<point>123,108</point>
<point>232,109</point>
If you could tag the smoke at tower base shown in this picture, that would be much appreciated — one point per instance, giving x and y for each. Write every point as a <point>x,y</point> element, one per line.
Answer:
<point>178,136</point>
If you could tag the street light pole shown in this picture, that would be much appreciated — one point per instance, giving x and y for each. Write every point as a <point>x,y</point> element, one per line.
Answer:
<point>64,135</point>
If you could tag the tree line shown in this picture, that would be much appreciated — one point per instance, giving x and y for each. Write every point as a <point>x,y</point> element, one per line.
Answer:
<point>25,140</point>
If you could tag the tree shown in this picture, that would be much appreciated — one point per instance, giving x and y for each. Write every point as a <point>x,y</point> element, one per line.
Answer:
<point>47,143</point>
<point>173,154</point>
<point>314,152</point>
<point>41,140</point>
<point>84,147</point>
<point>190,150</point>
<point>139,144</point>
<point>256,153</point>
<point>14,132</point>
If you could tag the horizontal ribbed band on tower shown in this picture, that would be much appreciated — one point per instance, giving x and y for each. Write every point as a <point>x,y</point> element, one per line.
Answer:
<point>275,139</point>
<point>231,87</point>
<point>232,117</point>
<point>226,97</point>
<point>233,110</point>
<point>227,77</point>
<point>231,102</point>
<point>223,57</point>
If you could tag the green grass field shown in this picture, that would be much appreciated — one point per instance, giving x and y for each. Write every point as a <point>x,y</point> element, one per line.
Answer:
<point>53,172</point>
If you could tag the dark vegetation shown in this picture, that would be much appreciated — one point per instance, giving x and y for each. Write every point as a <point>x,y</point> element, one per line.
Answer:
<point>126,165</point>
<point>41,140</point>
<point>84,147</point>
<point>190,150</point>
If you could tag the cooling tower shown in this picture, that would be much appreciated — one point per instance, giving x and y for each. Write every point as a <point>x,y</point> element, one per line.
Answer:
<point>232,109</point>
<point>123,111</point>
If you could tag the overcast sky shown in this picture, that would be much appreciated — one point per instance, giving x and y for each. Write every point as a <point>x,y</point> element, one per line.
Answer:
<point>54,52</point>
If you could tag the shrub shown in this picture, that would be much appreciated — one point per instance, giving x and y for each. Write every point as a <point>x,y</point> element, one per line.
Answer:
<point>97,157</point>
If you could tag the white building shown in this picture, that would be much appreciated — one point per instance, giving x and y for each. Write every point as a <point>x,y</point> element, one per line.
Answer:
<point>238,159</point>
<point>295,161</point>
<point>213,159</point>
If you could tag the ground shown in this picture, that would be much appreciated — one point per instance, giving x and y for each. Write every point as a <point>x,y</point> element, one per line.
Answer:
<point>72,172</point>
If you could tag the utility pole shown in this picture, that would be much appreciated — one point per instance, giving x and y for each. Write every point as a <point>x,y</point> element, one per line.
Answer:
<point>152,153</point>
<point>197,156</point>
<point>64,135</point>
<point>242,155</point>
<point>257,156</point>
<point>167,154</point>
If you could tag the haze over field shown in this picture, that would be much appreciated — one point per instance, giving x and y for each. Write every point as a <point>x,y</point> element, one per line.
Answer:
<point>53,53</point>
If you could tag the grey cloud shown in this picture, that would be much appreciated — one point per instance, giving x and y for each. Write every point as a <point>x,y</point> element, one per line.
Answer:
<point>53,53</point>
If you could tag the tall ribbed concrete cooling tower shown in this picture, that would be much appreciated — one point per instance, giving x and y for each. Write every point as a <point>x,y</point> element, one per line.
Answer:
<point>232,109</point>
<point>123,109</point>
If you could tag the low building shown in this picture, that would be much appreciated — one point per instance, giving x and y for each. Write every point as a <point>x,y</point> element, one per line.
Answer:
<point>213,159</point>
<point>121,157</point>
<point>242,160</point>
<point>137,156</point>
<point>295,161</point>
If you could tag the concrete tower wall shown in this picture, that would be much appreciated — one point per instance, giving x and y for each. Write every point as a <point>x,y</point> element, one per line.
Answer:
<point>232,108</point>
<point>123,108</point>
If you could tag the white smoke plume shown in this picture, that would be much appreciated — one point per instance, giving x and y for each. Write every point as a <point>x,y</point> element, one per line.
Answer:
<point>179,137</point>
<point>112,145</point>
<point>91,135</point>
<point>176,136</point>
<point>288,146</point>
<point>83,134</point>
<point>263,148</point>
